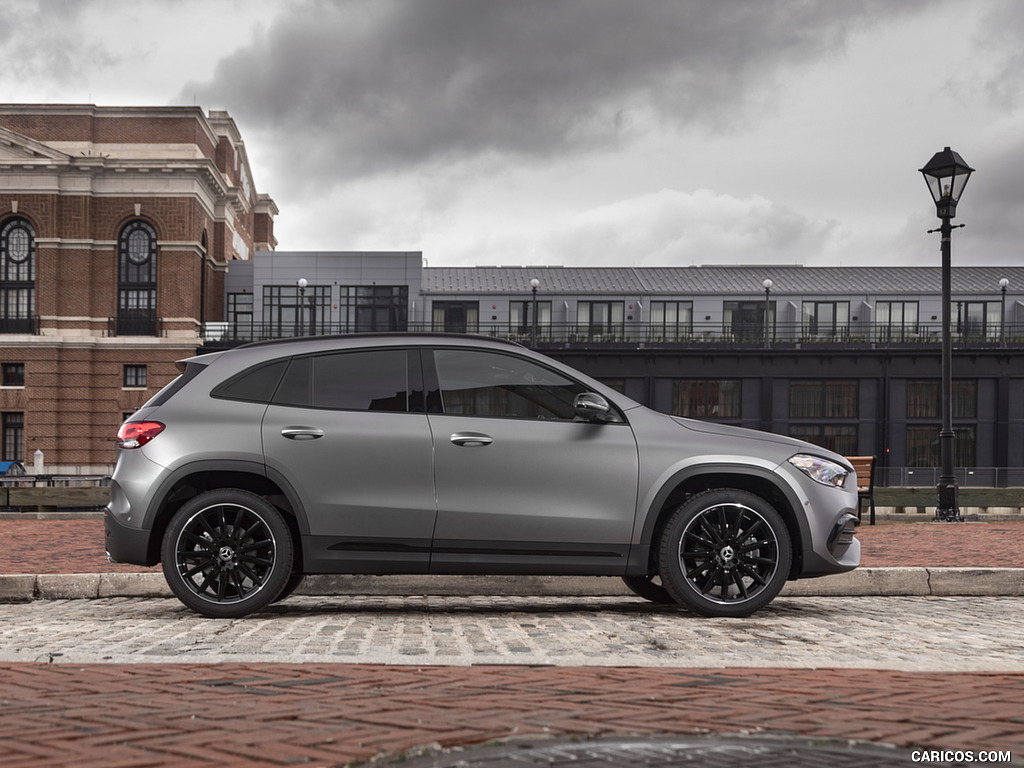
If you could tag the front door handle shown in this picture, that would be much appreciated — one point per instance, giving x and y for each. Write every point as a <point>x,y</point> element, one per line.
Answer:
<point>471,439</point>
<point>302,433</point>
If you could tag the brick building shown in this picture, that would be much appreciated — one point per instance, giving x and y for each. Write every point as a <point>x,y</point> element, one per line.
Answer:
<point>117,226</point>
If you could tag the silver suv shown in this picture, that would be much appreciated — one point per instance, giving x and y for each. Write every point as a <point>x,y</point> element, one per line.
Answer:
<point>386,454</point>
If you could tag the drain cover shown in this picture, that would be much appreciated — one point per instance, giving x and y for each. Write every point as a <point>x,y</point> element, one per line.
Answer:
<point>668,751</point>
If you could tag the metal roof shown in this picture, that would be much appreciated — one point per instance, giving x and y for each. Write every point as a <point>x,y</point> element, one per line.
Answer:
<point>719,280</point>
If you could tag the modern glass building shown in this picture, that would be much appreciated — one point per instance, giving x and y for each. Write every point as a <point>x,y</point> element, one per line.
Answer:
<point>846,357</point>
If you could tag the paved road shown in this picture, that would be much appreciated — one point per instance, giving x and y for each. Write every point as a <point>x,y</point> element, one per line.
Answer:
<point>903,633</point>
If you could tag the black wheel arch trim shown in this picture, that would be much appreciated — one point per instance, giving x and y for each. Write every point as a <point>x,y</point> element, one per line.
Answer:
<point>640,555</point>
<point>225,465</point>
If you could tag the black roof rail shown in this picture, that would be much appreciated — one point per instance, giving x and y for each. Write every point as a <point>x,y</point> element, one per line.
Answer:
<point>420,335</point>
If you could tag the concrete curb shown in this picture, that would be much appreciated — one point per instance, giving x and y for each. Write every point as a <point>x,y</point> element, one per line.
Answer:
<point>863,582</point>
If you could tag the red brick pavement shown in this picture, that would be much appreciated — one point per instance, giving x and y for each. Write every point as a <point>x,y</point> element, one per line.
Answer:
<point>324,714</point>
<point>76,546</point>
<point>328,714</point>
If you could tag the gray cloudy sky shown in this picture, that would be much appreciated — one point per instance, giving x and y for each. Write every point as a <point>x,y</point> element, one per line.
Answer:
<point>615,132</point>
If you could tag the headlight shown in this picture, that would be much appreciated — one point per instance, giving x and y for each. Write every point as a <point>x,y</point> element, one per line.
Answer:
<point>821,470</point>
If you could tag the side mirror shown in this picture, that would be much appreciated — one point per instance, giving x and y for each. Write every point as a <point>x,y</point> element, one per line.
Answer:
<point>590,406</point>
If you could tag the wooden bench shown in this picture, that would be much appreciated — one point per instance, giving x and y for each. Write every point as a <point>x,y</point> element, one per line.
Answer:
<point>865,468</point>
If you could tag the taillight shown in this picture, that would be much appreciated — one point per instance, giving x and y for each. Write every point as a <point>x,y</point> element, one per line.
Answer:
<point>136,434</point>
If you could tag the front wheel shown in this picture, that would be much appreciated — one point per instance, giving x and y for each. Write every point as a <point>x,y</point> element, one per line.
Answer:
<point>725,553</point>
<point>227,553</point>
<point>649,589</point>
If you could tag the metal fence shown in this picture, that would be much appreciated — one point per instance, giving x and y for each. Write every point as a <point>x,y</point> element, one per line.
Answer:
<point>646,334</point>
<point>970,477</point>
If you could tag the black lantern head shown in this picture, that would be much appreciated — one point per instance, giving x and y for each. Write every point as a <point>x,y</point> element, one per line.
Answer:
<point>946,175</point>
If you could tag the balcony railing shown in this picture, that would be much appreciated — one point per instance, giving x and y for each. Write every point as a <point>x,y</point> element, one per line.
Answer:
<point>134,325</point>
<point>782,335</point>
<point>26,325</point>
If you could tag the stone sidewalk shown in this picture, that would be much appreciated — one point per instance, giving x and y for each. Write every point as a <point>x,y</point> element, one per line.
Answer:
<point>920,634</point>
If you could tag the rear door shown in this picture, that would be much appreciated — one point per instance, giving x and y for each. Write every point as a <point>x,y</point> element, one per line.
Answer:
<point>343,430</point>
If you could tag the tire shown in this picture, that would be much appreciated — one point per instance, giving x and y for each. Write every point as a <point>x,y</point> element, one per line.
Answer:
<point>649,589</point>
<point>725,553</point>
<point>293,583</point>
<point>227,553</point>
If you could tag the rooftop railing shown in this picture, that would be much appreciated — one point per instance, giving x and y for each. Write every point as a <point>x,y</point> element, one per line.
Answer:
<point>634,334</point>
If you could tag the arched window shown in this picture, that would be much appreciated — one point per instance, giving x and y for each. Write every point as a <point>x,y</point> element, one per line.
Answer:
<point>17,276</point>
<point>136,280</point>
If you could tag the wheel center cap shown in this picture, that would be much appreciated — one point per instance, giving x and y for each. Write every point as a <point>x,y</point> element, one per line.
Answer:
<point>727,554</point>
<point>226,554</point>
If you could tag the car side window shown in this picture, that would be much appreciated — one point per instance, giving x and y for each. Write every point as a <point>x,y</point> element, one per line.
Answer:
<point>476,383</point>
<point>372,380</point>
<point>255,385</point>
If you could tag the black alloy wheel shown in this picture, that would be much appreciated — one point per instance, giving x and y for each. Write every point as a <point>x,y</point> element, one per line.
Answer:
<point>725,553</point>
<point>227,553</point>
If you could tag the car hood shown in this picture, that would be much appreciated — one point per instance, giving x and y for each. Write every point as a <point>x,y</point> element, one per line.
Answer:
<point>784,442</point>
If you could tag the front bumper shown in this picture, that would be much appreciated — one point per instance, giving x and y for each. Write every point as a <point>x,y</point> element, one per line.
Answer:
<point>830,544</point>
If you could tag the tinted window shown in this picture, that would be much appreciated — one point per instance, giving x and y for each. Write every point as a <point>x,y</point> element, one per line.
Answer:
<point>477,383</point>
<point>375,380</point>
<point>255,385</point>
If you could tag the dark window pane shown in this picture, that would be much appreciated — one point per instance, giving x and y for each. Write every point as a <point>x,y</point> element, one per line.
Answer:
<point>13,436</point>
<point>924,399</point>
<point>829,398</point>
<point>377,380</point>
<point>838,438</point>
<point>295,387</point>
<point>135,376</point>
<point>14,375</point>
<point>697,398</point>
<point>256,385</point>
<point>490,384</point>
<point>965,399</point>
<point>923,446</point>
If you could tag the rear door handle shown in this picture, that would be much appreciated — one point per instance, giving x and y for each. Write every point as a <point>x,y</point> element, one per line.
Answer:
<point>471,439</point>
<point>302,433</point>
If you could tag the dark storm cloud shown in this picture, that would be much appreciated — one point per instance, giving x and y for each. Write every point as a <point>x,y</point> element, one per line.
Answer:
<point>367,87</point>
<point>992,202</point>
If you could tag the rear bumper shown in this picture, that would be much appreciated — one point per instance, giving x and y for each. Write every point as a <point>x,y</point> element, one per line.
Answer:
<point>125,540</point>
<point>124,544</point>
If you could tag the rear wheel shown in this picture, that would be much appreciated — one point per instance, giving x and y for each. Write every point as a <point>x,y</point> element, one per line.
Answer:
<point>227,553</point>
<point>725,552</point>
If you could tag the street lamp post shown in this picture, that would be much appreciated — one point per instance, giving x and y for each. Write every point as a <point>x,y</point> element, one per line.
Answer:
<point>767,285</point>
<point>946,175</point>
<point>1003,284</point>
<point>302,283</point>
<point>534,285</point>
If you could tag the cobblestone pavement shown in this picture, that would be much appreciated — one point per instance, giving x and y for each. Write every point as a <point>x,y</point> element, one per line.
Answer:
<point>908,633</point>
<point>76,546</point>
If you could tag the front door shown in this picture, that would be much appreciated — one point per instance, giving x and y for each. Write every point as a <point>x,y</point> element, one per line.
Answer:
<point>522,486</point>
